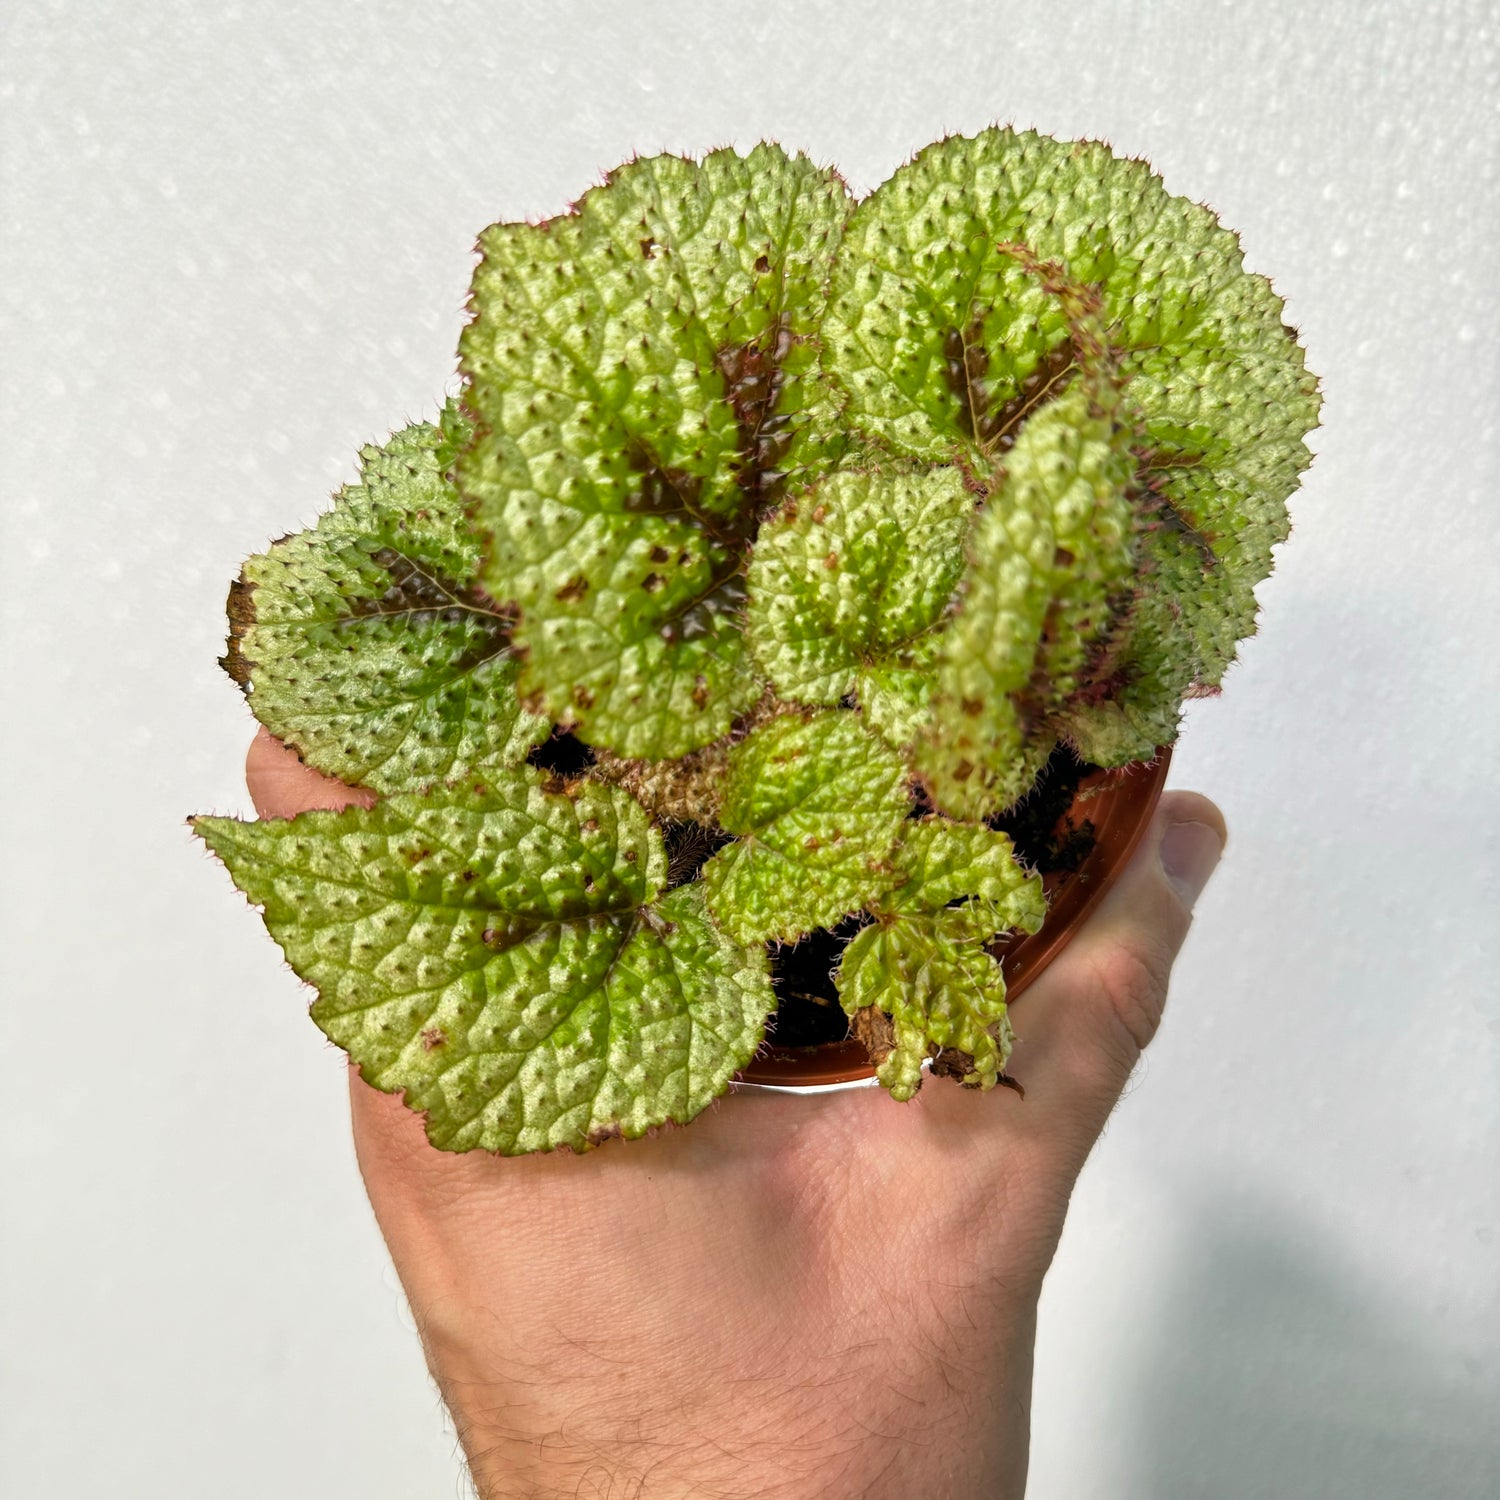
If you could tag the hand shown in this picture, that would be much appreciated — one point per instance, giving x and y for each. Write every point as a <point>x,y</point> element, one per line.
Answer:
<point>796,1295</point>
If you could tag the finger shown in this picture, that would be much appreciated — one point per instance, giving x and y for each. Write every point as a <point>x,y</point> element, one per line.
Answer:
<point>281,786</point>
<point>1081,1028</point>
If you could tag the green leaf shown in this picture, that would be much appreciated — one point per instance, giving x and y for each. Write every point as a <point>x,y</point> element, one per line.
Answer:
<point>506,959</point>
<point>920,982</point>
<point>941,862</point>
<point>818,804</point>
<point>847,582</point>
<point>940,992</point>
<point>943,338</point>
<point>644,374</point>
<point>1051,549</point>
<point>362,643</point>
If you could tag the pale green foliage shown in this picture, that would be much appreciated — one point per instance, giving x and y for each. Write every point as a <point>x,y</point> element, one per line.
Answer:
<point>1046,556</point>
<point>936,333</point>
<point>924,963</point>
<point>506,960</point>
<point>817,804</point>
<point>639,369</point>
<point>941,863</point>
<point>849,579</point>
<point>362,641</point>
<point>803,515</point>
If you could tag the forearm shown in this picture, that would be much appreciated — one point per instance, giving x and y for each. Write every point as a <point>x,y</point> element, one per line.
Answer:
<point>894,1419</point>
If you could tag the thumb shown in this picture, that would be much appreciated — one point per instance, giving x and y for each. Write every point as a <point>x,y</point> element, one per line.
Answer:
<point>1081,1028</point>
<point>281,786</point>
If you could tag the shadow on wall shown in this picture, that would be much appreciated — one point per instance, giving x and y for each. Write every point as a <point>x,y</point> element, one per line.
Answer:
<point>1275,1374</point>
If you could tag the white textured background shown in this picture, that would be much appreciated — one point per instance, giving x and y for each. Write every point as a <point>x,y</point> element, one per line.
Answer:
<point>236,242</point>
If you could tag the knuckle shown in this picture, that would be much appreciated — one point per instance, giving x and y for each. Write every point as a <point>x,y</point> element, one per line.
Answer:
<point>1133,980</point>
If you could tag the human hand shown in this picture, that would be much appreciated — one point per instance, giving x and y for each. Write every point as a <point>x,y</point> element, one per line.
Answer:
<point>825,1294</point>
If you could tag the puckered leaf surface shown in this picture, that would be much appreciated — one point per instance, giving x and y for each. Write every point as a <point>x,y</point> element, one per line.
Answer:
<point>941,337</point>
<point>847,582</point>
<point>780,502</point>
<point>506,959</point>
<point>924,964</point>
<point>941,863</point>
<point>817,803</point>
<point>644,377</point>
<point>1051,548</point>
<point>363,644</point>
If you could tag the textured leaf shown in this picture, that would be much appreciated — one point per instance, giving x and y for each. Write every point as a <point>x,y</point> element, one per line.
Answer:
<point>362,642</point>
<point>506,959</point>
<point>940,992</point>
<point>780,502</point>
<point>1051,548</point>
<point>645,379</point>
<point>818,804</point>
<point>941,862</point>
<point>942,337</point>
<point>923,964</point>
<point>847,582</point>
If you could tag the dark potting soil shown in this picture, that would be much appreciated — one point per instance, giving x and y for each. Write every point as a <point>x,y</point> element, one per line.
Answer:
<point>562,755</point>
<point>1032,822</point>
<point>807,1003</point>
<point>808,1011</point>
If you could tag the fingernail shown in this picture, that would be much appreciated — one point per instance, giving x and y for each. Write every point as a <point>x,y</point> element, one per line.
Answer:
<point>1189,853</point>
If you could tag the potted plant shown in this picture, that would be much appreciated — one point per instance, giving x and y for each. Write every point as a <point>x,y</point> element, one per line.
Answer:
<point>781,557</point>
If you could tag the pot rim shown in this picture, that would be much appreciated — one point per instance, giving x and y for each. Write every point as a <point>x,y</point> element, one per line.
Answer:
<point>1121,803</point>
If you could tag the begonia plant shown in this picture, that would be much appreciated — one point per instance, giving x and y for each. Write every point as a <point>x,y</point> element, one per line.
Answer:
<point>774,544</point>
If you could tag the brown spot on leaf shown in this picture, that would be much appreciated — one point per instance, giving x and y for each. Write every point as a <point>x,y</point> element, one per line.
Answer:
<point>700,691</point>
<point>753,380</point>
<point>573,590</point>
<point>240,607</point>
<point>433,1038</point>
<point>876,1030</point>
<point>664,491</point>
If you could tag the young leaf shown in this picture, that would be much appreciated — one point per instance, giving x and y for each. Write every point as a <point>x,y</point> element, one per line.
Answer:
<point>919,982</point>
<point>505,958</point>
<point>847,582</point>
<point>362,643</point>
<point>645,380</point>
<point>941,863</point>
<point>940,992</point>
<point>818,803</point>
<point>1052,546</point>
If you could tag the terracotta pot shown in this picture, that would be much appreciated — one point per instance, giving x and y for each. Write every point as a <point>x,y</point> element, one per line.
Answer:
<point>1119,804</point>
